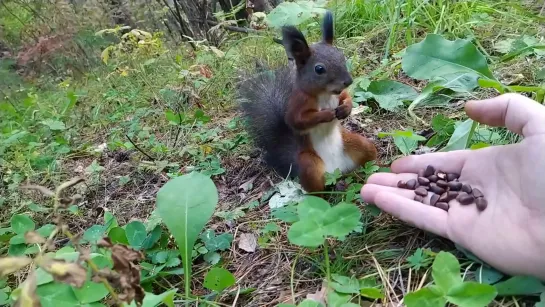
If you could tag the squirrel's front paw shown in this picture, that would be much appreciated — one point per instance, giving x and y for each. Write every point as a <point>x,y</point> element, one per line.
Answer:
<point>329,115</point>
<point>343,111</point>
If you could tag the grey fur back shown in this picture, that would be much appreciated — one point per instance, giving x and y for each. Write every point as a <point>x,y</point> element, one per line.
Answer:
<point>263,99</point>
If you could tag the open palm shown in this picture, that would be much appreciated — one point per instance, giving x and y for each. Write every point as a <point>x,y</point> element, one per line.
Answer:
<point>510,233</point>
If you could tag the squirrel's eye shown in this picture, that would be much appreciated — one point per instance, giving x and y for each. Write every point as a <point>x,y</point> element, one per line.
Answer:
<point>319,69</point>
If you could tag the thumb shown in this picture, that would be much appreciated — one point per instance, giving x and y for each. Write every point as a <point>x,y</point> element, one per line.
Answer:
<point>517,113</point>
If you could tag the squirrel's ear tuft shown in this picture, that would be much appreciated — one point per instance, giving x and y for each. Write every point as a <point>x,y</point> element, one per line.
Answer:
<point>296,45</point>
<point>327,28</point>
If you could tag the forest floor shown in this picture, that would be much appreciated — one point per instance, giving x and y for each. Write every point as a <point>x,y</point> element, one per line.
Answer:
<point>130,125</point>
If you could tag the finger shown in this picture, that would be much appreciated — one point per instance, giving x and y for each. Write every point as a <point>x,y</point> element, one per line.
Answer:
<point>425,217</point>
<point>450,162</point>
<point>389,179</point>
<point>518,113</point>
<point>370,191</point>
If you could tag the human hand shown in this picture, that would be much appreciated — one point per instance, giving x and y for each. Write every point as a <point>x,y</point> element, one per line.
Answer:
<point>510,234</point>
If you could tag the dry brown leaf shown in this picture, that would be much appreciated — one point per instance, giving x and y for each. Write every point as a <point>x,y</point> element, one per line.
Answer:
<point>70,183</point>
<point>105,242</point>
<point>70,273</point>
<point>84,254</point>
<point>10,265</point>
<point>69,201</point>
<point>126,266</point>
<point>320,296</point>
<point>45,191</point>
<point>247,186</point>
<point>247,242</point>
<point>27,296</point>
<point>32,237</point>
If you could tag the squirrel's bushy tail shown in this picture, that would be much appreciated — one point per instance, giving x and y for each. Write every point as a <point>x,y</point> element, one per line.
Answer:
<point>263,99</point>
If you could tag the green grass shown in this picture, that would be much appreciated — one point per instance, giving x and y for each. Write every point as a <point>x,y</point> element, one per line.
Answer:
<point>151,113</point>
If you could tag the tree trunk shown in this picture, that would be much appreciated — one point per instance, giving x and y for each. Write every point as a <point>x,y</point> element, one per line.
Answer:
<point>120,14</point>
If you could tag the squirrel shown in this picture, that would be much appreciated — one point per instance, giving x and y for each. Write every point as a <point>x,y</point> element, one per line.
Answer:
<point>294,113</point>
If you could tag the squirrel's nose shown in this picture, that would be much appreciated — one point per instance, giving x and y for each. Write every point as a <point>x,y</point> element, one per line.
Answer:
<point>348,82</point>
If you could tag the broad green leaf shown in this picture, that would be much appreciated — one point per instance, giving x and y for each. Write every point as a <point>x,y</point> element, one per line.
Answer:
<point>37,208</point>
<point>488,275</point>
<point>286,214</point>
<point>309,303</point>
<point>487,83</point>
<point>94,168</point>
<point>4,298</point>
<point>288,192</point>
<point>335,298</point>
<point>94,233</point>
<point>306,233</point>
<point>338,221</point>
<point>405,145</point>
<point>175,118</point>
<point>214,243</point>
<point>17,239</point>
<point>524,45</point>
<point>471,294</point>
<point>16,249</point>
<point>185,204</point>
<point>436,56</point>
<point>425,297</point>
<point>406,141</point>
<point>90,292</point>
<point>110,221</point>
<point>212,257</point>
<point>152,238</point>
<point>373,210</point>
<point>153,221</point>
<point>218,279</point>
<point>426,92</point>
<point>136,234</point>
<point>312,206</point>
<point>418,259</point>
<point>33,249</point>
<point>479,145</point>
<point>152,300</point>
<point>520,285</point>
<point>344,284</point>
<point>368,282</point>
<point>460,82</point>
<point>46,230</point>
<point>505,45</point>
<point>372,293</point>
<point>42,277</point>
<point>409,134</point>
<point>342,219</point>
<point>118,235</point>
<point>105,55</point>
<point>294,13</point>
<point>21,223</point>
<point>457,82</point>
<point>541,302</point>
<point>442,124</point>
<point>101,261</point>
<point>540,74</point>
<point>390,94</point>
<point>57,295</point>
<point>461,136</point>
<point>54,124</point>
<point>161,257</point>
<point>446,271</point>
<point>271,227</point>
<point>332,178</point>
